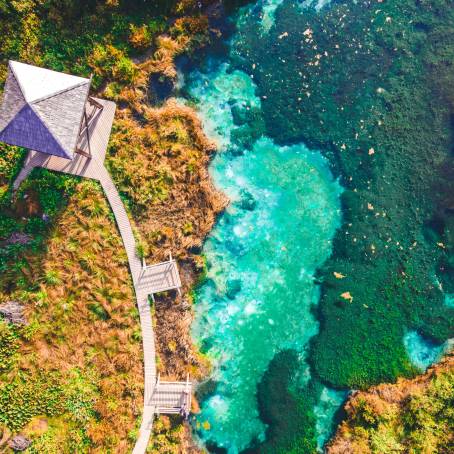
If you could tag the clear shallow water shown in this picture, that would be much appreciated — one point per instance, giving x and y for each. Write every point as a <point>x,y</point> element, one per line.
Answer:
<point>329,402</point>
<point>422,352</point>
<point>261,256</point>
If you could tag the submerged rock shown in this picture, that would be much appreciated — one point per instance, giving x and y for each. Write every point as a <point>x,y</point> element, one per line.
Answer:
<point>247,201</point>
<point>233,287</point>
<point>160,87</point>
<point>240,114</point>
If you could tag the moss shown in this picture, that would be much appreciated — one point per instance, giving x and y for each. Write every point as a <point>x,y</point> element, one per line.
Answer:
<point>286,408</point>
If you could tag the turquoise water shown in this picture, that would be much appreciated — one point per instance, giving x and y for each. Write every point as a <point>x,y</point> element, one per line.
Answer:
<point>422,352</point>
<point>329,402</point>
<point>261,256</point>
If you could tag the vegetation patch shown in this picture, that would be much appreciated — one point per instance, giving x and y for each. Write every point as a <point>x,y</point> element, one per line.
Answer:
<point>410,416</point>
<point>286,408</point>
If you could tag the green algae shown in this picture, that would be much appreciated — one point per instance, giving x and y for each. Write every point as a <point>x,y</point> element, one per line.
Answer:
<point>370,83</point>
<point>278,394</point>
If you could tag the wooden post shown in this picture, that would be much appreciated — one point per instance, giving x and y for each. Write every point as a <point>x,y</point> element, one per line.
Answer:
<point>87,130</point>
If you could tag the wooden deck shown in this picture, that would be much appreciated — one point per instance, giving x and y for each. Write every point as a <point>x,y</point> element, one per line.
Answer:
<point>82,166</point>
<point>171,397</point>
<point>159,278</point>
<point>159,397</point>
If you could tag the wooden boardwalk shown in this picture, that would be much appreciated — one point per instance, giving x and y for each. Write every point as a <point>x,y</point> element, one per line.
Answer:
<point>146,280</point>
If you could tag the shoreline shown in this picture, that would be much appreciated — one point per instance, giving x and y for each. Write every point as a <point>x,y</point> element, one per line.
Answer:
<point>158,158</point>
<point>377,414</point>
<point>176,351</point>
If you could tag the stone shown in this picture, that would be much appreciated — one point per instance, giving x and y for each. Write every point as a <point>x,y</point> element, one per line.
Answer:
<point>233,287</point>
<point>13,312</point>
<point>18,238</point>
<point>19,443</point>
<point>247,201</point>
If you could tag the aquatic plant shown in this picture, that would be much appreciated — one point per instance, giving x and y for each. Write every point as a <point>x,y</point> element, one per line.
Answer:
<point>285,407</point>
<point>389,140</point>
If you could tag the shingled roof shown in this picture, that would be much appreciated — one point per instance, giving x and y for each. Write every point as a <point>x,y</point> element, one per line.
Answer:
<point>42,110</point>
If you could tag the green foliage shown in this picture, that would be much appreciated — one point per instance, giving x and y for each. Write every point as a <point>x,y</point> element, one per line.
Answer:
<point>112,63</point>
<point>52,189</point>
<point>81,393</point>
<point>9,344</point>
<point>10,162</point>
<point>26,397</point>
<point>7,227</point>
<point>99,311</point>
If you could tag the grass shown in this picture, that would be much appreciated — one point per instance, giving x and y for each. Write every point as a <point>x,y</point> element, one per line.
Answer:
<point>71,380</point>
<point>79,361</point>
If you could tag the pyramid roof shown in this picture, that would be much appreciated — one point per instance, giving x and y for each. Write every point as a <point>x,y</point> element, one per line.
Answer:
<point>42,110</point>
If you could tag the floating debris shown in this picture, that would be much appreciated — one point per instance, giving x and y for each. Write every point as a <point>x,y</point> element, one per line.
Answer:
<point>347,296</point>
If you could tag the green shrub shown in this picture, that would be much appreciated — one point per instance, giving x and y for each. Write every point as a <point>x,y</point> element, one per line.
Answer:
<point>9,344</point>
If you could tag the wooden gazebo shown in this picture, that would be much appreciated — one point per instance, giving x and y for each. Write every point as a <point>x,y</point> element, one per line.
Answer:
<point>47,111</point>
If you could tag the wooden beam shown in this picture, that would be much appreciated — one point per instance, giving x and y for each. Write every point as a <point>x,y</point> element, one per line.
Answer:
<point>95,103</point>
<point>83,153</point>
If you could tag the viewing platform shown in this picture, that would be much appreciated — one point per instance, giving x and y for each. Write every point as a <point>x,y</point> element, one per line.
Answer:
<point>159,277</point>
<point>171,397</point>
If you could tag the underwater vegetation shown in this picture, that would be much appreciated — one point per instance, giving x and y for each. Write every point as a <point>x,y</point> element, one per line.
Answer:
<point>355,81</point>
<point>370,84</point>
<point>296,432</point>
<point>258,294</point>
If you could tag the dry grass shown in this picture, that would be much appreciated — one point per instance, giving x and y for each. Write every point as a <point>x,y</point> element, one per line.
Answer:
<point>161,168</point>
<point>86,317</point>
